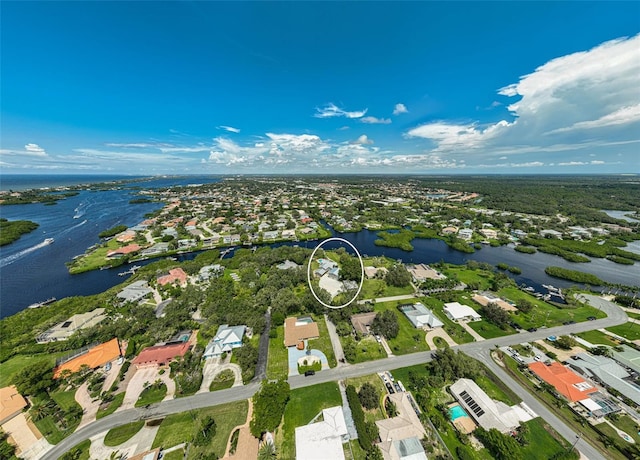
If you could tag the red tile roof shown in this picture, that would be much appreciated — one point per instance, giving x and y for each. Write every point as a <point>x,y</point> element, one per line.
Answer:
<point>125,249</point>
<point>161,354</point>
<point>175,274</point>
<point>567,383</point>
<point>95,357</point>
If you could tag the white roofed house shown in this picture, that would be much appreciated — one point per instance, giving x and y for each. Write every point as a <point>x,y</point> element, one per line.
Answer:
<point>227,338</point>
<point>420,316</point>
<point>323,440</point>
<point>458,312</point>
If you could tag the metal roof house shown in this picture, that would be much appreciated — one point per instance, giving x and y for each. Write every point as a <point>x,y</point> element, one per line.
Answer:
<point>227,338</point>
<point>420,316</point>
<point>323,440</point>
<point>607,371</point>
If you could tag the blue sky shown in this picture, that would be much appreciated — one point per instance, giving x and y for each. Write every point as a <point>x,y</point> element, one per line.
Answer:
<point>339,87</point>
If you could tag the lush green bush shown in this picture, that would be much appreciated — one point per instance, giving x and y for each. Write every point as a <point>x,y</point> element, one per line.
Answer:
<point>367,431</point>
<point>112,231</point>
<point>268,406</point>
<point>12,230</point>
<point>574,275</point>
<point>369,396</point>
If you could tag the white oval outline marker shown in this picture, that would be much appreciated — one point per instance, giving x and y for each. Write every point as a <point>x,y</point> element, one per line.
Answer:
<point>361,274</point>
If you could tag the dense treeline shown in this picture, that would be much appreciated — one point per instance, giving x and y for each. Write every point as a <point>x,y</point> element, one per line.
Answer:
<point>574,275</point>
<point>268,407</point>
<point>35,196</point>
<point>579,197</point>
<point>12,230</point>
<point>112,231</point>
<point>367,431</point>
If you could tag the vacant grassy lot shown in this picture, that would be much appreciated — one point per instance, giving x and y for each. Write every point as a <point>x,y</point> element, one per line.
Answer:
<point>630,331</point>
<point>377,413</point>
<point>368,349</point>
<point>179,428</point>
<point>489,330</point>
<point>117,436</point>
<point>545,314</point>
<point>303,406</point>
<point>112,407</point>
<point>277,364</point>
<point>152,394</point>
<point>12,366</point>
<point>468,276</point>
<point>544,442</point>
<point>374,288</point>
<point>596,337</point>
<point>409,339</point>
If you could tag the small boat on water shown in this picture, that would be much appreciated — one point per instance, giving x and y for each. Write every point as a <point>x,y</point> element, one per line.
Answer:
<point>131,270</point>
<point>40,304</point>
<point>48,240</point>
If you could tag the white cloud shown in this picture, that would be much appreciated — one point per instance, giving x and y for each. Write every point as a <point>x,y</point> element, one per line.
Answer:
<point>587,99</point>
<point>230,129</point>
<point>30,150</point>
<point>374,120</point>
<point>343,128</point>
<point>400,108</point>
<point>331,110</point>
<point>363,140</point>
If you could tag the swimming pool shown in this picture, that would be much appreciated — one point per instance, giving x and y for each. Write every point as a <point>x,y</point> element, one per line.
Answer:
<point>456,412</point>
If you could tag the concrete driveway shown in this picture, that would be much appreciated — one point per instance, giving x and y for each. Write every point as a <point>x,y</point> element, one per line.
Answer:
<point>139,443</point>
<point>136,385</point>
<point>89,406</point>
<point>335,341</point>
<point>212,368</point>
<point>439,332</point>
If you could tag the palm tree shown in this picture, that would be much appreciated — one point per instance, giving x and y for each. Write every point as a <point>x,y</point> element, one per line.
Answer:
<point>267,452</point>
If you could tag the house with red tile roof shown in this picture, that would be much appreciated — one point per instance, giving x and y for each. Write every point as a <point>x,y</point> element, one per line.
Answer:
<point>11,403</point>
<point>567,383</point>
<point>94,358</point>
<point>160,355</point>
<point>175,275</point>
<point>129,249</point>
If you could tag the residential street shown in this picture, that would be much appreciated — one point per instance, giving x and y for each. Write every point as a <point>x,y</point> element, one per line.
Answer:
<point>478,350</point>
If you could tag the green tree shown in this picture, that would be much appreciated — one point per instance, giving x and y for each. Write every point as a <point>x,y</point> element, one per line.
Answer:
<point>267,452</point>
<point>398,276</point>
<point>524,305</point>
<point>268,407</point>
<point>496,315</point>
<point>386,323</point>
<point>369,396</point>
<point>33,379</point>
<point>206,431</point>
<point>565,342</point>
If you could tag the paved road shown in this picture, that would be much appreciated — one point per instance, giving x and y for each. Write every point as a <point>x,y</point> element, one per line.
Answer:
<point>479,350</point>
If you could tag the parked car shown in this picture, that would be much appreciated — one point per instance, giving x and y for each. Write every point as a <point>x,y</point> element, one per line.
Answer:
<point>591,318</point>
<point>532,329</point>
<point>308,373</point>
<point>107,367</point>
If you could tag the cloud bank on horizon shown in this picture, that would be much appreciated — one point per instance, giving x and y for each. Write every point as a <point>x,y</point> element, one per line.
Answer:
<point>576,112</point>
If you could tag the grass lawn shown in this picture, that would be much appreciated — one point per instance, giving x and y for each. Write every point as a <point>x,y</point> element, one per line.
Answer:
<point>117,436</point>
<point>630,331</point>
<point>373,288</point>
<point>597,337</point>
<point>112,407</point>
<point>65,399</point>
<point>439,342</point>
<point>303,406</point>
<point>544,442</point>
<point>489,330</point>
<point>151,394</point>
<point>496,389</point>
<point>79,451</point>
<point>278,361</point>
<point>409,339</point>
<point>544,313</point>
<point>468,276</point>
<point>626,424</point>
<point>368,349</point>
<point>373,414</point>
<point>178,428</point>
<point>455,331</point>
<point>174,455</point>
<point>353,451</point>
<point>323,343</point>
<point>11,366</point>
<point>223,380</point>
<point>95,259</point>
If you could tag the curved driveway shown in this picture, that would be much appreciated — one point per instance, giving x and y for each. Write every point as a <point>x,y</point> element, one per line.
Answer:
<point>479,350</point>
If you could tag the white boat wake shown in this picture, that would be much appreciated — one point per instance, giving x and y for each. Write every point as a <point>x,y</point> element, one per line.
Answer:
<point>19,255</point>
